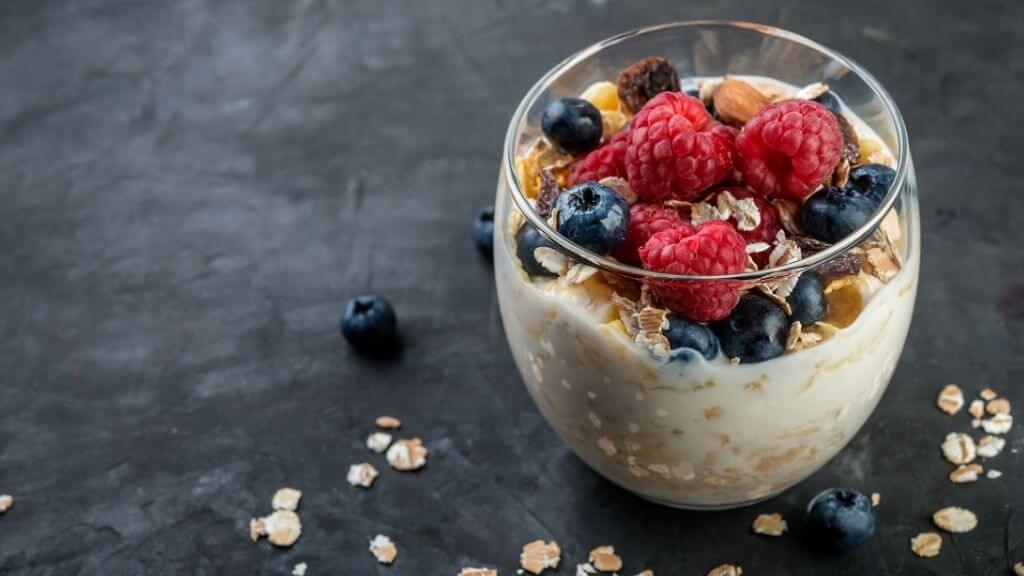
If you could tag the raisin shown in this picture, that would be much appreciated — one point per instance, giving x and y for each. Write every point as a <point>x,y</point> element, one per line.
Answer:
<point>851,144</point>
<point>549,190</point>
<point>645,79</point>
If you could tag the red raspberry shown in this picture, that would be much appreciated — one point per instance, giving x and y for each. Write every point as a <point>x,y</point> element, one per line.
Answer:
<point>602,162</point>
<point>789,148</point>
<point>676,149</point>
<point>646,220</point>
<point>765,231</point>
<point>711,248</point>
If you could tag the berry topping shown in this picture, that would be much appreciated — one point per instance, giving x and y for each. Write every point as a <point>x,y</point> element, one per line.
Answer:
<point>765,231</point>
<point>755,331</point>
<point>604,162</point>
<point>833,213</point>
<point>369,325</point>
<point>593,216</point>
<point>528,239</point>
<point>645,80</point>
<point>789,148</point>
<point>646,220</point>
<point>841,519</point>
<point>687,337</point>
<point>828,100</point>
<point>573,124</point>
<point>709,249</point>
<point>873,180</point>
<point>676,150</point>
<point>807,300</point>
<point>483,231</point>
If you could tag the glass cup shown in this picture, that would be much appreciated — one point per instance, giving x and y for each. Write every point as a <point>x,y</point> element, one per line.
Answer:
<point>693,433</point>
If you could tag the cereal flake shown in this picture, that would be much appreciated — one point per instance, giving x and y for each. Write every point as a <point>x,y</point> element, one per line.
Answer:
<point>998,406</point>
<point>955,520</point>
<point>1018,569</point>
<point>976,409</point>
<point>988,394</point>
<point>552,260</point>
<point>538,555</point>
<point>726,570</point>
<point>383,549</point>
<point>958,448</point>
<point>604,559</point>
<point>951,399</point>
<point>388,423</point>
<point>282,528</point>
<point>407,455</point>
<point>926,544</point>
<point>997,424</point>
<point>770,525</point>
<point>299,569</point>
<point>286,499</point>
<point>378,442</point>
<point>993,474</point>
<point>622,187</point>
<point>876,499</point>
<point>6,501</point>
<point>965,473</point>
<point>990,446</point>
<point>362,474</point>
<point>478,572</point>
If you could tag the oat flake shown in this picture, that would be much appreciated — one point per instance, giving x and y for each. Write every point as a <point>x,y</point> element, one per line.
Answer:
<point>955,520</point>
<point>951,399</point>
<point>282,528</point>
<point>998,406</point>
<point>1018,569</point>
<point>958,448</point>
<point>299,569</point>
<point>6,501</point>
<point>407,455</point>
<point>876,499</point>
<point>388,422</point>
<point>362,474</point>
<point>552,260</point>
<point>988,394</point>
<point>604,559</point>
<point>478,572</point>
<point>998,424</point>
<point>726,570</point>
<point>383,549</point>
<point>607,446</point>
<point>965,473</point>
<point>976,409</point>
<point>378,442</point>
<point>993,474</point>
<point>926,544</point>
<point>537,556</point>
<point>770,525</point>
<point>990,446</point>
<point>286,499</point>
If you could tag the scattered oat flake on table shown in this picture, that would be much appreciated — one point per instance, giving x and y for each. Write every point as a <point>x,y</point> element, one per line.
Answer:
<point>282,528</point>
<point>951,399</point>
<point>998,424</point>
<point>976,409</point>
<point>1018,568</point>
<point>988,394</point>
<point>993,474</point>
<point>407,455</point>
<point>646,573</point>
<point>726,570</point>
<point>584,569</point>
<point>990,446</point>
<point>955,520</point>
<point>958,448</point>
<point>362,474</point>
<point>965,473</point>
<point>770,524</point>
<point>926,544</point>
<point>876,499</point>
<point>383,549</point>
<point>378,442</point>
<point>537,556</point>
<point>388,423</point>
<point>478,572</point>
<point>286,499</point>
<point>605,559</point>
<point>6,501</point>
<point>299,569</point>
<point>998,406</point>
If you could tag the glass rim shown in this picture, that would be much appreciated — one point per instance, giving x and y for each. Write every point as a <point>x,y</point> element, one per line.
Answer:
<point>581,254</point>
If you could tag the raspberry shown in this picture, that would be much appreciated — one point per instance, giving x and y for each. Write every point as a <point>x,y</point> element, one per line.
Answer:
<point>605,161</point>
<point>765,231</point>
<point>646,220</point>
<point>676,149</point>
<point>789,148</point>
<point>711,248</point>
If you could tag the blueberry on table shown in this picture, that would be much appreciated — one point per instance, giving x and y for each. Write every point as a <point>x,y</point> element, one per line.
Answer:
<point>687,337</point>
<point>754,331</point>
<point>834,213</point>
<point>828,100</point>
<point>573,124</point>
<point>593,216</point>
<point>807,300</point>
<point>528,239</point>
<point>483,231</point>
<point>369,325</point>
<point>872,180</point>
<point>841,519</point>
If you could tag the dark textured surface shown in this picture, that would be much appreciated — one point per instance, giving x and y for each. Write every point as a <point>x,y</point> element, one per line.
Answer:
<point>190,191</point>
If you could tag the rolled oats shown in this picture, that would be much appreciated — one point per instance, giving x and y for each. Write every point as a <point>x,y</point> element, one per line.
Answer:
<point>926,544</point>
<point>990,446</point>
<point>965,473</point>
<point>585,569</point>
<point>388,423</point>
<point>993,474</point>
<point>797,339</point>
<point>998,406</point>
<point>6,501</point>
<point>876,499</point>
<point>362,474</point>
<point>378,442</point>
<point>478,572</point>
<point>988,394</point>
<point>726,570</point>
<point>538,556</point>
<point>745,211</point>
<point>604,559</point>
<point>383,549</point>
<point>955,520</point>
<point>552,260</point>
<point>652,322</point>
<point>407,455</point>
<point>958,448</point>
<point>1018,569</point>
<point>881,262</point>
<point>286,499</point>
<point>622,187</point>
<point>607,446</point>
<point>976,409</point>
<point>951,399</point>
<point>997,424</point>
<point>646,573</point>
<point>811,91</point>
<point>770,525</point>
<point>282,528</point>
<point>299,569</point>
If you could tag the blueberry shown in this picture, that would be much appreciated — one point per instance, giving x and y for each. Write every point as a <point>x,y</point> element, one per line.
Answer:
<point>369,325</point>
<point>808,300</point>
<point>573,124</point>
<point>529,239</point>
<point>686,337</point>
<point>873,180</point>
<point>593,216</point>
<point>834,213</point>
<point>755,331</point>
<point>828,100</point>
<point>841,519</point>
<point>483,231</point>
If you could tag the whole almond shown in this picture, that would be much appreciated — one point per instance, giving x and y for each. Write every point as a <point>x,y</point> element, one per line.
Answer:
<point>736,101</point>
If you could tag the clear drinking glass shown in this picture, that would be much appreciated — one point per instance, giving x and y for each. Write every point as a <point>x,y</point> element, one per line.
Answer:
<point>706,434</point>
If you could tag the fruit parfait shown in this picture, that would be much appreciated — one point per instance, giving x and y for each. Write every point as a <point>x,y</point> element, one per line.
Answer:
<point>706,253</point>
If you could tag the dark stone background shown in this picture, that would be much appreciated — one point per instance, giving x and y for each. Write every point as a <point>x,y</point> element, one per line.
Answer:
<point>190,191</point>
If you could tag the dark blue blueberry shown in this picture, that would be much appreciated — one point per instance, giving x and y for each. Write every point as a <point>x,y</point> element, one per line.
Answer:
<point>528,239</point>
<point>829,100</point>
<point>687,337</point>
<point>573,124</point>
<point>369,325</point>
<point>841,519</point>
<point>834,213</point>
<point>808,300</point>
<point>873,180</point>
<point>593,216</point>
<point>483,231</point>
<point>755,331</point>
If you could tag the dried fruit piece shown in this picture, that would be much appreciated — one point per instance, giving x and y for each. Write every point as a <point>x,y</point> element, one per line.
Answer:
<point>6,501</point>
<point>998,406</point>
<point>383,549</point>
<point>538,556</point>
<point>926,544</point>
<point>286,499</point>
<point>965,473</point>
<point>604,559</point>
<point>990,446</point>
<point>282,528</point>
<point>407,455</point>
<point>736,101</point>
<point>549,191</point>
<point>645,79</point>
<point>770,524</point>
<point>951,399</point>
<point>389,422</point>
<point>851,144</point>
<point>955,520</point>
<point>958,448</point>
<point>846,264</point>
<point>362,474</point>
<point>726,570</point>
<point>998,424</point>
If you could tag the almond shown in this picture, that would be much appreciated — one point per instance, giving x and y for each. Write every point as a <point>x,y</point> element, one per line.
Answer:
<point>736,102</point>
